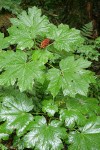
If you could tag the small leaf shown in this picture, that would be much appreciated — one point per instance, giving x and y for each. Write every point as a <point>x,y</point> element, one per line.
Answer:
<point>3,147</point>
<point>49,107</point>
<point>16,113</point>
<point>88,138</point>
<point>5,131</point>
<point>71,117</point>
<point>89,51</point>
<point>55,81</point>
<point>44,137</point>
<point>18,143</point>
<point>11,5</point>
<point>42,56</point>
<point>3,42</point>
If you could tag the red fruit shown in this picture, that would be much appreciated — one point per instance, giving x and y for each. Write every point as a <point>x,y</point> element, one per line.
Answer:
<point>45,43</point>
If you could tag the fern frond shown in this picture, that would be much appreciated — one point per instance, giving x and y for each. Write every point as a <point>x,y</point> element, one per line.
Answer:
<point>87,30</point>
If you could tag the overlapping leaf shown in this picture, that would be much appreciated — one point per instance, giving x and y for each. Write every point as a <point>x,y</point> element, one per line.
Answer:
<point>18,143</point>
<point>18,69</point>
<point>11,5</point>
<point>43,136</point>
<point>88,138</point>
<point>15,112</point>
<point>65,38</point>
<point>71,117</point>
<point>26,28</point>
<point>42,56</point>
<point>5,130</point>
<point>97,42</point>
<point>50,107</point>
<point>89,51</point>
<point>3,42</point>
<point>55,78</point>
<point>3,147</point>
<point>71,77</point>
<point>85,105</point>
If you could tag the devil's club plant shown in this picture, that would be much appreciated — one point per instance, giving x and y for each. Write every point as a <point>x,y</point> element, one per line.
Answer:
<point>44,103</point>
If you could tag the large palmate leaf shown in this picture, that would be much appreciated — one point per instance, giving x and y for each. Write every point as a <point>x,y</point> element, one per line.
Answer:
<point>71,117</point>
<point>43,136</point>
<point>3,42</point>
<point>26,28</point>
<point>15,112</point>
<point>18,69</point>
<point>65,38</point>
<point>50,107</point>
<point>88,138</point>
<point>71,77</point>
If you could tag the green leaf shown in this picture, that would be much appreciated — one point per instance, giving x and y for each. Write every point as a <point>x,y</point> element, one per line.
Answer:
<point>11,5</point>
<point>3,147</point>
<point>88,138</point>
<point>55,81</point>
<point>15,112</point>
<point>21,37</point>
<point>18,143</point>
<point>5,130</point>
<point>42,56</point>
<point>50,107</point>
<point>65,38</point>
<point>85,105</point>
<point>6,58</point>
<point>17,68</point>
<point>97,42</point>
<point>89,52</point>
<point>71,117</point>
<point>3,42</point>
<point>72,77</point>
<point>27,27</point>
<point>43,136</point>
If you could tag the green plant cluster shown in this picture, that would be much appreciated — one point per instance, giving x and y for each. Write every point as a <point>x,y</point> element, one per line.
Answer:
<point>11,5</point>
<point>44,103</point>
<point>90,48</point>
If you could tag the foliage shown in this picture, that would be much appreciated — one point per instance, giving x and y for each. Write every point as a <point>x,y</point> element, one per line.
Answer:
<point>89,135</point>
<point>3,147</point>
<point>11,5</point>
<point>44,101</point>
<point>3,42</point>
<point>95,89</point>
<point>97,42</point>
<point>89,51</point>
<point>87,30</point>
<point>91,44</point>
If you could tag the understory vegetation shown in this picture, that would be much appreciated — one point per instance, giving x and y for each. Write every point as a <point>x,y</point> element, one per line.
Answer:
<point>49,83</point>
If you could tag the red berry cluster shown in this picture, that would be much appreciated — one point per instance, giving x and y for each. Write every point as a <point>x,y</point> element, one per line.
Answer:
<point>45,43</point>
